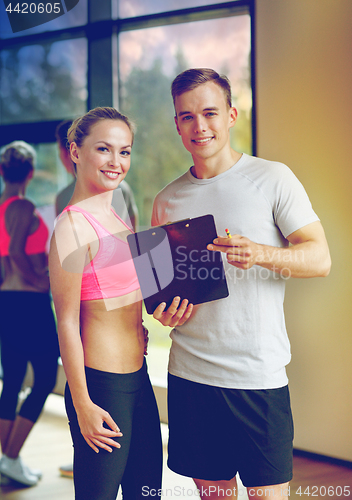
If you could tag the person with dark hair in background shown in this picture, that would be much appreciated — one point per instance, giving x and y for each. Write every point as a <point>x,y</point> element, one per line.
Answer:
<point>28,331</point>
<point>64,196</point>
<point>228,399</point>
<point>123,200</point>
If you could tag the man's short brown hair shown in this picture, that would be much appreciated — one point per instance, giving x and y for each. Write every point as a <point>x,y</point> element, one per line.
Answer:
<point>192,78</point>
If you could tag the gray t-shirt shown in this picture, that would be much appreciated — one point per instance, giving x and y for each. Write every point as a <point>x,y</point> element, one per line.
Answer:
<point>238,342</point>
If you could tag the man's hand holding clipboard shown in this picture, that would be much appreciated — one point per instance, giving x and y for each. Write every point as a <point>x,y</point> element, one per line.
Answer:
<point>176,314</point>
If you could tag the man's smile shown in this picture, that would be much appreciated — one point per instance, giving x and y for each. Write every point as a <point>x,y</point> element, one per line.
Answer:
<point>202,141</point>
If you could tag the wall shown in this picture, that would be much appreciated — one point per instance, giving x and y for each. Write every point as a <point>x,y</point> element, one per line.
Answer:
<point>304,103</point>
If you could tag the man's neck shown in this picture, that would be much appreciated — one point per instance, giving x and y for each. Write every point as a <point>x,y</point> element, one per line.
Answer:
<point>211,167</point>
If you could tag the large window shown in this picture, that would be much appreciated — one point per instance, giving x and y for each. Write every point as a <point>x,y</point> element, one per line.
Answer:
<point>149,60</point>
<point>122,53</point>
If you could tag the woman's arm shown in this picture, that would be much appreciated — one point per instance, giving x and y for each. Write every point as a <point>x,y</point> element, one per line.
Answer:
<point>66,290</point>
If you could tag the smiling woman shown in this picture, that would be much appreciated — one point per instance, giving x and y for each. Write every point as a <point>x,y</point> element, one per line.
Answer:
<point>98,305</point>
<point>106,150</point>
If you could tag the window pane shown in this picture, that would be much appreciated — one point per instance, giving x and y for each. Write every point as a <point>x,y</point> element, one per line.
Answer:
<point>75,17</point>
<point>133,8</point>
<point>43,82</point>
<point>149,60</point>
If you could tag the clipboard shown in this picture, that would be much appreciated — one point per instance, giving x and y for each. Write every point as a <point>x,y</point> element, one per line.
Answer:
<point>172,260</point>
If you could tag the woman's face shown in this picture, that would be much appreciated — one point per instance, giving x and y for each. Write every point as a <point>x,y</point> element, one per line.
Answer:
<point>103,160</point>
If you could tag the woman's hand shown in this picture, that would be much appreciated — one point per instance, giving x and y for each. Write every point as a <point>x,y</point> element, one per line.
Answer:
<point>91,422</point>
<point>174,315</point>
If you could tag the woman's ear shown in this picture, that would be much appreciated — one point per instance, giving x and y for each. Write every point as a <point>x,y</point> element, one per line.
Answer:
<point>74,152</point>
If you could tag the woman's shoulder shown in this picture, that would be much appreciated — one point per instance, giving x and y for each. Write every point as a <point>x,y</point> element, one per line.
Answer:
<point>72,226</point>
<point>20,205</point>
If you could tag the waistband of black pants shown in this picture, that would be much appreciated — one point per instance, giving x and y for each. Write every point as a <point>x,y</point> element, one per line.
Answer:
<point>123,382</point>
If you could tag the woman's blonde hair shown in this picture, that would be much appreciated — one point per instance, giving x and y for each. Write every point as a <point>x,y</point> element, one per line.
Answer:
<point>81,127</point>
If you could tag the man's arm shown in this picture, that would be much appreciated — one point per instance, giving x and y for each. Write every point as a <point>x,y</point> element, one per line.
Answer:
<point>307,257</point>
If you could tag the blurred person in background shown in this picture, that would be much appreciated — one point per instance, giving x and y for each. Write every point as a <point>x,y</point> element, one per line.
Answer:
<point>64,196</point>
<point>28,331</point>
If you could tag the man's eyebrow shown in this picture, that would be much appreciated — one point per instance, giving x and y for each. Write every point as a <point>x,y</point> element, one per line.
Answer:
<point>213,108</point>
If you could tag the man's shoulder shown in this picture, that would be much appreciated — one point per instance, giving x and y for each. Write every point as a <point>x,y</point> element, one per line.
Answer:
<point>255,162</point>
<point>263,170</point>
<point>170,189</point>
<point>125,187</point>
<point>67,191</point>
<point>64,196</point>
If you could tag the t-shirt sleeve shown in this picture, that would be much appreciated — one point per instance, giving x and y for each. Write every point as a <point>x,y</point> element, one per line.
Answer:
<point>292,208</point>
<point>155,218</point>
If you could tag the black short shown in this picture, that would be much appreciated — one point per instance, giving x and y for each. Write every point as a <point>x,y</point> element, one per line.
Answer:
<point>216,432</point>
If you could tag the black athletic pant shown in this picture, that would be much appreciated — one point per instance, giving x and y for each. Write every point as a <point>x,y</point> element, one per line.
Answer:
<point>137,465</point>
<point>27,333</point>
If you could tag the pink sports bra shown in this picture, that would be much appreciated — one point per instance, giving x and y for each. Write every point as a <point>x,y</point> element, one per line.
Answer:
<point>35,242</point>
<point>111,273</point>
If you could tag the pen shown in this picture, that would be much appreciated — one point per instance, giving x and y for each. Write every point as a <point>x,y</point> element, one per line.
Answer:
<point>228,233</point>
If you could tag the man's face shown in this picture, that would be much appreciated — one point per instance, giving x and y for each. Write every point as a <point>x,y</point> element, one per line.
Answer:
<point>203,119</point>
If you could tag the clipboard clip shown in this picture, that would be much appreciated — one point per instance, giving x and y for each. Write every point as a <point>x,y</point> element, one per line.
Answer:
<point>172,222</point>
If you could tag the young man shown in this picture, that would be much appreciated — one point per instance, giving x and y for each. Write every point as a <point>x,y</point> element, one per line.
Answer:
<point>229,408</point>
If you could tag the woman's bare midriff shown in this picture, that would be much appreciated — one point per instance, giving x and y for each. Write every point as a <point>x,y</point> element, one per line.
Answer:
<point>112,338</point>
